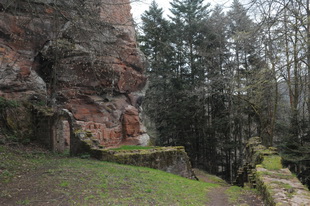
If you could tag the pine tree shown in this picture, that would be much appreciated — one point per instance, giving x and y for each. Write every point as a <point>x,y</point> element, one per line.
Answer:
<point>188,18</point>
<point>217,59</point>
<point>154,41</point>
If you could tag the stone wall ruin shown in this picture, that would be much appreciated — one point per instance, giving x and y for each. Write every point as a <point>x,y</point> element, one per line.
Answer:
<point>277,185</point>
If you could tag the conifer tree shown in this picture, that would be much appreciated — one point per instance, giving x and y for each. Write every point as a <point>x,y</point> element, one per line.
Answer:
<point>154,41</point>
<point>188,18</point>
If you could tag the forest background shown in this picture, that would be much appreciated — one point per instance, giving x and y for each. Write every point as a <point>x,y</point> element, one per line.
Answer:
<point>220,76</point>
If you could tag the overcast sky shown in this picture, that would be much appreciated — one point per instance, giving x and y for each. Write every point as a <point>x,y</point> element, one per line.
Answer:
<point>138,7</point>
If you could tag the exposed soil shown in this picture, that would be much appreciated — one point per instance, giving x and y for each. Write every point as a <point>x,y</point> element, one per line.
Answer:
<point>27,181</point>
<point>218,196</point>
<point>251,199</point>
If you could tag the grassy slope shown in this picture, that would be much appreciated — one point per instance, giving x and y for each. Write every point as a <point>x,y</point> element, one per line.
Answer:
<point>29,176</point>
<point>39,178</point>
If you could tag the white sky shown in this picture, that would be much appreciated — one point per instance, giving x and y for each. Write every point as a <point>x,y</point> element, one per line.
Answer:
<point>139,6</point>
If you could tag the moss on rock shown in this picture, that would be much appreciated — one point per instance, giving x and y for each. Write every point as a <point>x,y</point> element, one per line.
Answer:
<point>278,185</point>
<point>169,159</point>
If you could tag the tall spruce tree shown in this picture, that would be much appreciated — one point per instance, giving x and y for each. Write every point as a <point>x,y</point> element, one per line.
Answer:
<point>190,31</point>
<point>188,18</point>
<point>242,47</point>
<point>176,101</point>
<point>217,60</point>
<point>154,41</point>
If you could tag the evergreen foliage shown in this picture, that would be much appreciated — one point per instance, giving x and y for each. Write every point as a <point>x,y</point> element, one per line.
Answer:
<point>217,79</point>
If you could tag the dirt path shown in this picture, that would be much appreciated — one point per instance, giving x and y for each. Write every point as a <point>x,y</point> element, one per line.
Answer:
<point>218,197</point>
<point>226,195</point>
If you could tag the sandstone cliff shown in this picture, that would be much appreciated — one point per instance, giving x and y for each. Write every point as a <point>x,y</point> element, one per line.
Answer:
<point>75,55</point>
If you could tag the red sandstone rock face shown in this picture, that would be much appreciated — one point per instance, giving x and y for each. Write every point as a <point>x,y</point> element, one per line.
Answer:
<point>131,122</point>
<point>82,57</point>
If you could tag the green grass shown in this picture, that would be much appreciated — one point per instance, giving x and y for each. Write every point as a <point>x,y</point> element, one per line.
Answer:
<point>272,162</point>
<point>125,185</point>
<point>64,184</point>
<point>14,162</point>
<point>209,178</point>
<point>216,179</point>
<point>234,194</point>
<point>132,147</point>
<point>23,202</point>
<point>75,181</point>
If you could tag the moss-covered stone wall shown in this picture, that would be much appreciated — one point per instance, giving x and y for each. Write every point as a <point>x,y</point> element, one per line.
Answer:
<point>170,159</point>
<point>277,184</point>
<point>15,121</point>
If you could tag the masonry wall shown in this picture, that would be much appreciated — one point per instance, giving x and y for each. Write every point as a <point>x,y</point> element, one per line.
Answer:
<point>169,159</point>
<point>277,184</point>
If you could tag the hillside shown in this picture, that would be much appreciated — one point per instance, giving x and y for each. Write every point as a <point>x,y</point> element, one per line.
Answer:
<point>33,176</point>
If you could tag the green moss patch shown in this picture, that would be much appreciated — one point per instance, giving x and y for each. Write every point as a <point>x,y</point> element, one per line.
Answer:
<point>171,159</point>
<point>277,184</point>
<point>272,162</point>
<point>6,103</point>
<point>276,175</point>
<point>132,147</point>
